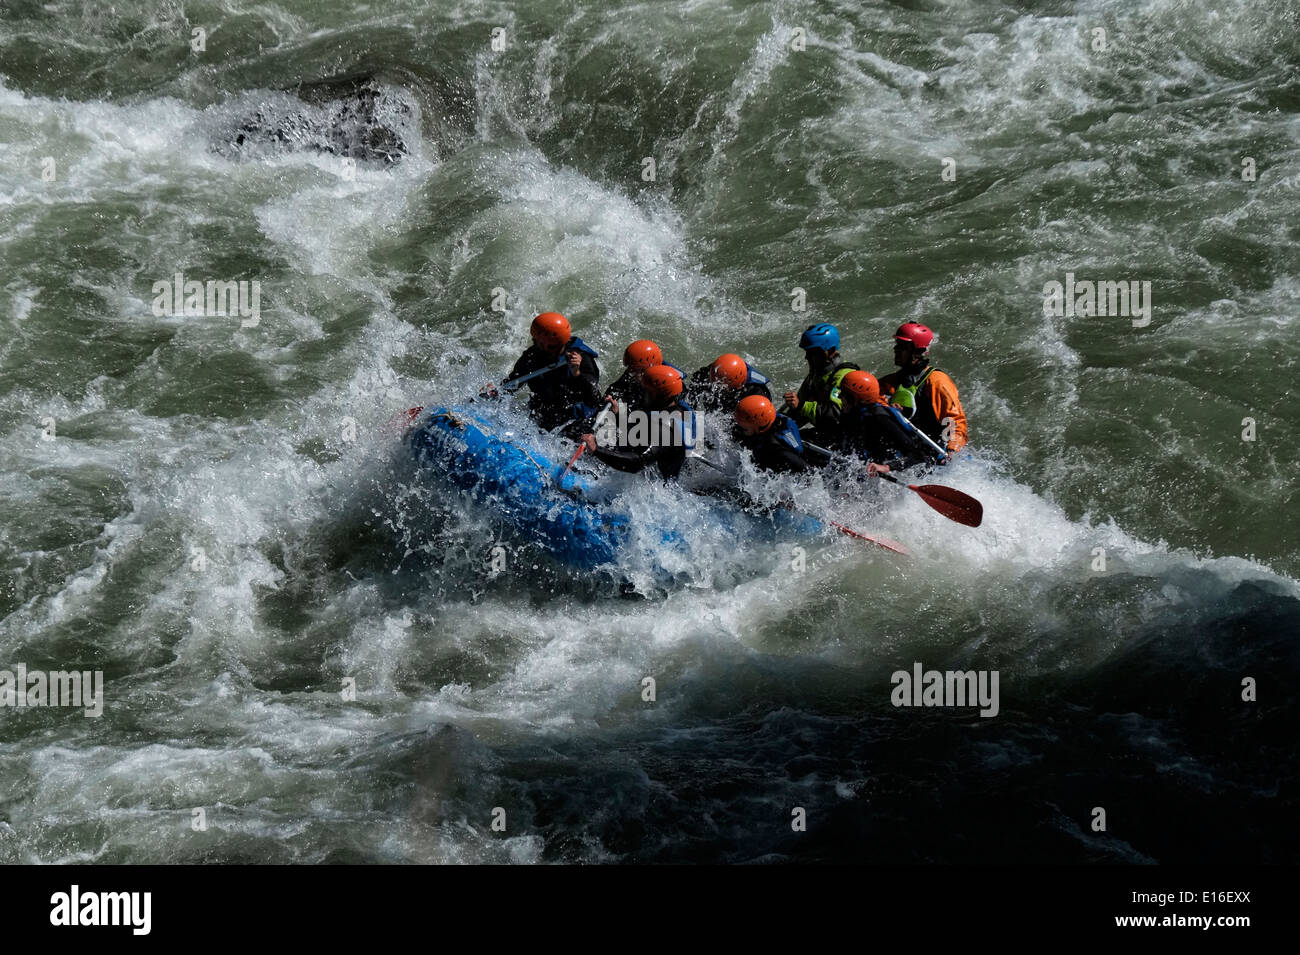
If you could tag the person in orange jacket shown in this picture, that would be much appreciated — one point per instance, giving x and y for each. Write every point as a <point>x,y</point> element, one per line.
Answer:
<point>923,393</point>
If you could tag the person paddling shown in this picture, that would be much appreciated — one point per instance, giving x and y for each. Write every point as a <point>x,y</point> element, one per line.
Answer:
<point>724,383</point>
<point>569,393</point>
<point>874,431</point>
<point>665,435</point>
<point>926,395</point>
<point>818,403</point>
<point>771,438</point>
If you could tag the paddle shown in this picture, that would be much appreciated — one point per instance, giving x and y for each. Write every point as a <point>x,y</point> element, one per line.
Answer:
<point>943,453</point>
<point>948,501</point>
<point>896,547</point>
<point>582,445</point>
<point>514,383</point>
<point>509,387</point>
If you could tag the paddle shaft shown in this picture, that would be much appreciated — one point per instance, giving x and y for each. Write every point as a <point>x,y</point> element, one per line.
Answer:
<point>934,445</point>
<point>897,480</point>
<point>951,503</point>
<point>514,383</point>
<point>509,387</point>
<point>879,542</point>
<point>942,452</point>
<point>582,445</point>
<point>884,474</point>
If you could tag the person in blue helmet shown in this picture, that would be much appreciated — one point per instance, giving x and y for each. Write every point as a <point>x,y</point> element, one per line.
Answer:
<point>571,393</point>
<point>817,403</point>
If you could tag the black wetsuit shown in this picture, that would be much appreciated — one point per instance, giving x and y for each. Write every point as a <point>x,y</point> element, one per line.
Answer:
<point>665,448</point>
<point>876,433</point>
<point>706,394</point>
<point>779,448</point>
<point>558,396</point>
<point>626,388</point>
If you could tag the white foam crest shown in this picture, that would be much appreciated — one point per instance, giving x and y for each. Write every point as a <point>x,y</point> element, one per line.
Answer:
<point>581,666</point>
<point>96,146</point>
<point>631,256</point>
<point>326,209</point>
<point>331,225</point>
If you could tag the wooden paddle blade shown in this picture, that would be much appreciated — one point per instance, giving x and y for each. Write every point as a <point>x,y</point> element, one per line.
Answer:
<point>884,542</point>
<point>951,503</point>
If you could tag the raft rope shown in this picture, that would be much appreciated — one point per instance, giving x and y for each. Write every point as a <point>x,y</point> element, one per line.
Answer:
<point>451,419</point>
<point>455,422</point>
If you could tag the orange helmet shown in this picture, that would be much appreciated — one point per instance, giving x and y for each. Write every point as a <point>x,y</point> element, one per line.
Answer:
<point>862,385</point>
<point>755,414</point>
<point>731,370</point>
<point>642,354</point>
<point>551,331</point>
<point>662,382</point>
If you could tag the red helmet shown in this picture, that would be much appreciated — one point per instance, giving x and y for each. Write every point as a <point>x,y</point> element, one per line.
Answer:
<point>915,334</point>
<point>551,331</point>
<point>662,382</point>
<point>642,354</point>
<point>755,414</point>
<point>862,386</point>
<point>731,370</point>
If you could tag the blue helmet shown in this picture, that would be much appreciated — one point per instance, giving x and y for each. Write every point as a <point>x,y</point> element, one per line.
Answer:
<point>825,337</point>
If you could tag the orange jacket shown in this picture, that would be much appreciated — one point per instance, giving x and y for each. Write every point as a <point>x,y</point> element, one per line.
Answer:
<point>936,400</point>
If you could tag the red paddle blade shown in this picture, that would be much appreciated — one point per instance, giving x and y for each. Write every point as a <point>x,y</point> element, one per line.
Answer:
<point>402,420</point>
<point>951,503</point>
<point>576,454</point>
<point>884,542</point>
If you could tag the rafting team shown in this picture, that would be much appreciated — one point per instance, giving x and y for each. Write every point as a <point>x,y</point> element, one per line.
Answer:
<point>909,417</point>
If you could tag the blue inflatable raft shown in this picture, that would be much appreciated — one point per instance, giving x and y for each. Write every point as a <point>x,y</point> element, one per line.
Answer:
<point>518,481</point>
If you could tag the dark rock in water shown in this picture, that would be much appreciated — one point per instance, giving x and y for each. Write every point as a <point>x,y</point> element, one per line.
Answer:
<point>357,117</point>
